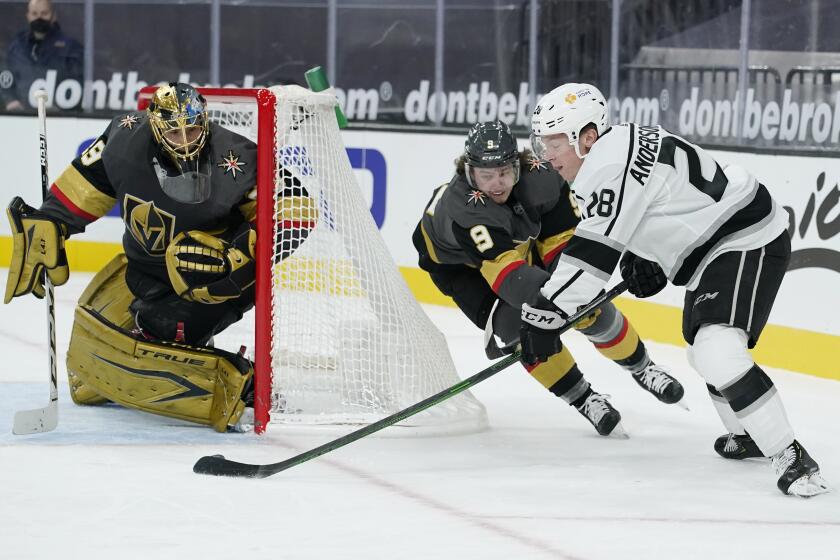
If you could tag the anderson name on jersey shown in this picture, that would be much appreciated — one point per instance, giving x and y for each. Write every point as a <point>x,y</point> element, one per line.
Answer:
<point>651,192</point>
<point>122,166</point>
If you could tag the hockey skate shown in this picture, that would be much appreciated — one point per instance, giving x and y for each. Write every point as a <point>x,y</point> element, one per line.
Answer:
<point>799,474</point>
<point>601,414</point>
<point>656,381</point>
<point>734,446</point>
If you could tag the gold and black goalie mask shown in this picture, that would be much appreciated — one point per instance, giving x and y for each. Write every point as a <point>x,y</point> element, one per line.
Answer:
<point>178,116</point>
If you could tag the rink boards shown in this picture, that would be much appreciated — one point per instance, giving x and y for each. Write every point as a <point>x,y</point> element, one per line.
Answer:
<point>397,172</point>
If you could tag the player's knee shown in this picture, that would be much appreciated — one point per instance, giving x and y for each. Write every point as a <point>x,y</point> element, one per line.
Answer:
<point>719,353</point>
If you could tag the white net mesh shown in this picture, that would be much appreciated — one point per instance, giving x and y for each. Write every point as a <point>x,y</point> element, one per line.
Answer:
<point>350,343</point>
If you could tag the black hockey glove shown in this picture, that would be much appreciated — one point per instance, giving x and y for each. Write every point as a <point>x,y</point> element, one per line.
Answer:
<point>644,278</point>
<point>539,333</point>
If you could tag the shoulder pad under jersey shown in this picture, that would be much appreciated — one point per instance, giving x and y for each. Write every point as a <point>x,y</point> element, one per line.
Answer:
<point>468,206</point>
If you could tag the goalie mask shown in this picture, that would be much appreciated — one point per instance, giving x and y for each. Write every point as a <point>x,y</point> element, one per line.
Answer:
<point>178,119</point>
<point>490,145</point>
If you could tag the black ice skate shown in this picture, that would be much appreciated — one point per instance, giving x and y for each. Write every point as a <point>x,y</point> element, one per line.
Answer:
<point>799,475</point>
<point>734,446</point>
<point>602,415</point>
<point>656,381</point>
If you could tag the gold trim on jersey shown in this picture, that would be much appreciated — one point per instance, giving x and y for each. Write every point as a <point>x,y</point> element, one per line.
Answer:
<point>249,210</point>
<point>83,194</point>
<point>492,269</point>
<point>547,245</point>
<point>297,209</point>
<point>430,247</point>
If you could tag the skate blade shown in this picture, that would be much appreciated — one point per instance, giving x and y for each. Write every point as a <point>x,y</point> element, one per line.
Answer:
<point>619,432</point>
<point>809,486</point>
<point>681,403</point>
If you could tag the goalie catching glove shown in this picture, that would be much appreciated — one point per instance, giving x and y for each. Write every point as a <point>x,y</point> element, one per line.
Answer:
<point>37,245</point>
<point>540,329</point>
<point>207,269</point>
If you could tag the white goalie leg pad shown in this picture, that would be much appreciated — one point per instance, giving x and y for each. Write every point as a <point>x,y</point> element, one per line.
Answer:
<point>720,355</point>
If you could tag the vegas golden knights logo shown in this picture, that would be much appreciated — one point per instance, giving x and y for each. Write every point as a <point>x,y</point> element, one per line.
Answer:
<point>150,226</point>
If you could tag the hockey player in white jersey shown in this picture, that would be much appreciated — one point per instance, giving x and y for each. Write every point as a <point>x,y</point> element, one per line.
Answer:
<point>676,215</point>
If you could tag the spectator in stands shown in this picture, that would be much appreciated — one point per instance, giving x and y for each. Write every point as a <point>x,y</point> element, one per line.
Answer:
<point>34,51</point>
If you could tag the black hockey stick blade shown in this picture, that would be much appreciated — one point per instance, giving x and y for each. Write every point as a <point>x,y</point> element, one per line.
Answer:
<point>217,465</point>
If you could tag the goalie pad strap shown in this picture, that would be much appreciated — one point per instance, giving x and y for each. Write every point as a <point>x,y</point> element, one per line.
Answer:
<point>201,385</point>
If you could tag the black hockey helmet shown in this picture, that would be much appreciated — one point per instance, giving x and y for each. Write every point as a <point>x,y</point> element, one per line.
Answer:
<point>490,144</point>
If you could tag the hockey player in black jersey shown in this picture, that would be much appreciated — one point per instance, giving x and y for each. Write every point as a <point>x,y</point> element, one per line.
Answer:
<point>676,215</point>
<point>490,237</point>
<point>186,190</point>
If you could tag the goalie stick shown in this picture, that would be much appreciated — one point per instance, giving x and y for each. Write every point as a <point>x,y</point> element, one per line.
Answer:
<point>218,465</point>
<point>43,419</point>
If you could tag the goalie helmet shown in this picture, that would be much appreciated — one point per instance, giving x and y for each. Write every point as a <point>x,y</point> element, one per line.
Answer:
<point>567,110</point>
<point>490,144</point>
<point>178,117</point>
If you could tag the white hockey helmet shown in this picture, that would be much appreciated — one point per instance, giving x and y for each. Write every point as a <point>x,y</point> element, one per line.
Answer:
<point>567,110</point>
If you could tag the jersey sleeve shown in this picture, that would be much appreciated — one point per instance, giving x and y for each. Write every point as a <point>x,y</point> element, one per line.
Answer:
<point>557,227</point>
<point>611,207</point>
<point>503,263</point>
<point>83,192</point>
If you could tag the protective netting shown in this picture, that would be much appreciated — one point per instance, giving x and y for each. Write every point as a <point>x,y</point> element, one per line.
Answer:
<point>350,343</point>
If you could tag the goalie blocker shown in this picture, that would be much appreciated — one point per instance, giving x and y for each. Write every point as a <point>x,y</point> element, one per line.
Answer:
<point>107,362</point>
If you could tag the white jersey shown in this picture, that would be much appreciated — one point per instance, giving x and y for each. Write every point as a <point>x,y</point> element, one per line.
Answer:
<point>648,191</point>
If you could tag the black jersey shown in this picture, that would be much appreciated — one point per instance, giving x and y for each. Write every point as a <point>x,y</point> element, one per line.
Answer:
<point>514,244</point>
<point>123,165</point>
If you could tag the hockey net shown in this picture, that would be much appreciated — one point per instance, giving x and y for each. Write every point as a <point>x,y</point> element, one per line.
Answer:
<point>337,336</point>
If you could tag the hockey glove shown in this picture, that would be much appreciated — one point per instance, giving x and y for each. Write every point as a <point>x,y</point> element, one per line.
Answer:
<point>644,278</point>
<point>206,269</point>
<point>539,333</point>
<point>37,245</point>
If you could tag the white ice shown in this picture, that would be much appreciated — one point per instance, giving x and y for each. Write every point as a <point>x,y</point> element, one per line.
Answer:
<point>113,483</point>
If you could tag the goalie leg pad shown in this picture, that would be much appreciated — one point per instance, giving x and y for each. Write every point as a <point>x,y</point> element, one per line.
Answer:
<point>199,385</point>
<point>108,295</point>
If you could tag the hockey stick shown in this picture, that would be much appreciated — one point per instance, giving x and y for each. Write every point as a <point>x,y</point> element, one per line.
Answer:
<point>43,419</point>
<point>217,465</point>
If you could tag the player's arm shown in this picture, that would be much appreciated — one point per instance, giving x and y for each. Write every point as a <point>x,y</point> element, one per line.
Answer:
<point>83,192</point>
<point>558,222</point>
<point>612,209</point>
<point>502,262</point>
<point>80,195</point>
<point>296,214</point>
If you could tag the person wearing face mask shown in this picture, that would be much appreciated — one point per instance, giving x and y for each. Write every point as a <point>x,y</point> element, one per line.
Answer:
<point>492,235</point>
<point>41,47</point>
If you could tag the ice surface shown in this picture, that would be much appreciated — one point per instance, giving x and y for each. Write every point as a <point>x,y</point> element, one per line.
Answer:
<point>113,483</point>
